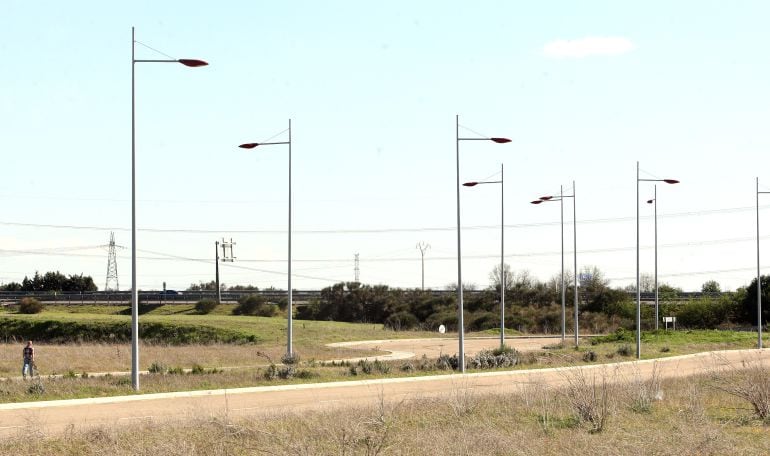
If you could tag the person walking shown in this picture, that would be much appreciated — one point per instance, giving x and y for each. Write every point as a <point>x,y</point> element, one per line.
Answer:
<point>29,361</point>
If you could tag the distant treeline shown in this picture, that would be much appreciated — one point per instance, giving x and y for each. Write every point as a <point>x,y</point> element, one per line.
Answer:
<point>52,281</point>
<point>530,306</point>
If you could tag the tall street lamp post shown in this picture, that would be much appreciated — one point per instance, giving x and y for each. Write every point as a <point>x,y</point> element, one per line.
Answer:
<point>759,277</point>
<point>289,349</point>
<point>502,249</point>
<point>134,288</point>
<point>654,201</point>
<point>460,323</point>
<point>638,290</point>
<point>560,199</point>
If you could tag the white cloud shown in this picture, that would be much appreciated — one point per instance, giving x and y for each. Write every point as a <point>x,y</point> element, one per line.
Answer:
<point>589,46</point>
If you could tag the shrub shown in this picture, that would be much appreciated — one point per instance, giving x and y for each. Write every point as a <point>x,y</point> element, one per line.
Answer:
<point>285,372</point>
<point>205,306</point>
<point>624,350</point>
<point>197,369</point>
<point>30,306</point>
<point>381,367</point>
<point>305,373</point>
<point>589,399</point>
<point>446,362</point>
<point>487,359</point>
<point>369,367</point>
<point>401,321</point>
<point>481,320</point>
<point>290,358</point>
<point>36,388</point>
<point>590,356</point>
<point>644,392</point>
<point>504,350</point>
<point>706,313</point>
<point>176,370</point>
<point>255,305</point>
<point>122,381</point>
<point>157,368</point>
<point>750,382</point>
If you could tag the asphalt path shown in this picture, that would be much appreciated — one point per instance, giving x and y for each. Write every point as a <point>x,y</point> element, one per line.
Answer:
<point>58,416</point>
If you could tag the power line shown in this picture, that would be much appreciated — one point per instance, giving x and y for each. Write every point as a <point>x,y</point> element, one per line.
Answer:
<point>382,230</point>
<point>62,252</point>
<point>691,273</point>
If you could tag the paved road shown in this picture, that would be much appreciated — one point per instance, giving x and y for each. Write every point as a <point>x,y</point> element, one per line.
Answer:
<point>56,416</point>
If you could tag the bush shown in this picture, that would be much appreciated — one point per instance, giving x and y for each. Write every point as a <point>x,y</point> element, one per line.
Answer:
<point>157,368</point>
<point>643,392</point>
<point>197,369</point>
<point>750,381</point>
<point>370,367</point>
<point>624,350</point>
<point>283,373</point>
<point>205,306</point>
<point>589,399</point>
<point>504,350</point>
<point>707,313</point>
<point>446,362</point>
<point>487,359</point>
<point>401,321</point>
<point>36,388</point>
<point>481,320</point>
<point>290,358</point>
<point>590,356</point>
<point>305,373</point>
<point>30,306</point>
<point>255,305</point>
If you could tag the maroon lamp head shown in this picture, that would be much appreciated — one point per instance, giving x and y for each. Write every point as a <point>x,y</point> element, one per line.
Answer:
<point>192,62</point>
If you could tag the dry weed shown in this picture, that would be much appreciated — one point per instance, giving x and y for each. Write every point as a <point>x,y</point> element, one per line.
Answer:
<point>749,381</point>
<point>643,390</point>
<point>462,398</point>
<point>589,397</point>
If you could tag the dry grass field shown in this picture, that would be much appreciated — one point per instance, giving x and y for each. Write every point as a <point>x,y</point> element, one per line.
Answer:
<point>599,415</point>
<point>101,357</point>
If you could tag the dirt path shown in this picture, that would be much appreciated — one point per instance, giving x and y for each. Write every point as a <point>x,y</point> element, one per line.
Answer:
<point>432,348</point>
<point>56,416</point>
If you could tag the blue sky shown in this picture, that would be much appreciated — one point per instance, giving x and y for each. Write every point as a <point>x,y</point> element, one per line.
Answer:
<point>373,90</point>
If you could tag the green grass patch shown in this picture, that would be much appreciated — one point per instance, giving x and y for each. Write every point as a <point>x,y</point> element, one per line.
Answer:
<point>181,324</point>
<point>65,331</point>
<point>742,339</point>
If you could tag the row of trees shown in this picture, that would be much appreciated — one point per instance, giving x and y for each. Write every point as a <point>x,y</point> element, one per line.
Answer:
<point>212,286</point>
<point>52,281</point>
<point>531,305</point>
